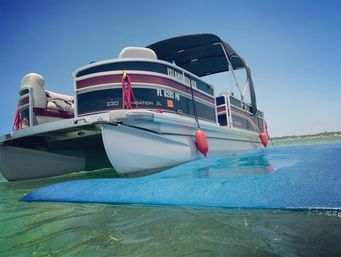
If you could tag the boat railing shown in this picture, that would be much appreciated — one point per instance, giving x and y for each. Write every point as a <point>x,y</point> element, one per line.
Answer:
<point>232,112</point>
<point>25,107</point>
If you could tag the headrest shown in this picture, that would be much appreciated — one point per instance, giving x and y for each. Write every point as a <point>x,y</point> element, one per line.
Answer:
<point>137,52</point>
<point>32,80</point>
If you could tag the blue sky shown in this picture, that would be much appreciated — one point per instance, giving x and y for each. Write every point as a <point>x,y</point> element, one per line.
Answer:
<point>292,47</point>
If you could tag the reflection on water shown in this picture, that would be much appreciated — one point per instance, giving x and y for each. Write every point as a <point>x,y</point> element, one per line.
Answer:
<point>236,166</point>
<point>230,165</point>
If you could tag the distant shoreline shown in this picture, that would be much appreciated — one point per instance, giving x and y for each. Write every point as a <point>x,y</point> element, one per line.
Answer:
<point>323,134</point>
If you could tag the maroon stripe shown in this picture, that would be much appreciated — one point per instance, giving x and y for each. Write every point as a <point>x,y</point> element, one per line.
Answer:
<point>105,79</point>
<point>139,78</point>
<point>221,109</point>
<point>52,113</point>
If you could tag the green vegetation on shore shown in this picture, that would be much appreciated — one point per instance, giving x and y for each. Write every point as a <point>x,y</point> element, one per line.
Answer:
<point>323,134</point>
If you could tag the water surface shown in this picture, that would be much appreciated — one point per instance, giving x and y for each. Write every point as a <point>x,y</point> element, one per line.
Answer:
<point>72,229</point>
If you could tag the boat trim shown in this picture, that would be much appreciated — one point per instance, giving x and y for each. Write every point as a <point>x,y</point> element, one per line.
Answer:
<point>137,72</point>
<point>168,64</point>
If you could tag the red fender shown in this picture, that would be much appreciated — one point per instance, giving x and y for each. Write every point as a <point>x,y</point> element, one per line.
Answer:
<point>201,141</point>
<point>264,138</point>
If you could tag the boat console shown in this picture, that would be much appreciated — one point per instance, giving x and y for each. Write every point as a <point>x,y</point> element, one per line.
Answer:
<point>157,85</point>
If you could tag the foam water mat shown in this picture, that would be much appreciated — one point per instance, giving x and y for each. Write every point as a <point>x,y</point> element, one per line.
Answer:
<point>306,177</point>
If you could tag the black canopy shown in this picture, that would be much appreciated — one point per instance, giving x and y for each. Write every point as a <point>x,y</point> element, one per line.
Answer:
<point>202,54</point>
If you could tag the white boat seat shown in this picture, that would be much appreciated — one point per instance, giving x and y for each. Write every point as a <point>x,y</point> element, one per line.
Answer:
<point>59,102</point>
<point>58,106</point>
<point>137,52</point>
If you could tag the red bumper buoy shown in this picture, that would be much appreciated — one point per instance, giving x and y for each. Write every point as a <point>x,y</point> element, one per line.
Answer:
<point>201,141</point>
<point>264,138</point>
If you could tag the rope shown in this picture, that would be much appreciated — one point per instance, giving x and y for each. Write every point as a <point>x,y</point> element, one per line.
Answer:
<point>272,143</point>
<point>267,133</point>
<point>127,92</point>
<point>195,113</point>
<point>17,119</point>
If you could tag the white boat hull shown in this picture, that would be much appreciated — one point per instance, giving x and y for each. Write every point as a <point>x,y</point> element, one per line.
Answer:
<point>147,147</point>
<point>131,150</point>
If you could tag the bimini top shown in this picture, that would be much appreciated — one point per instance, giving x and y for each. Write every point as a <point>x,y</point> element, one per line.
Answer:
<point>200,54</point>
<point>203,54</point>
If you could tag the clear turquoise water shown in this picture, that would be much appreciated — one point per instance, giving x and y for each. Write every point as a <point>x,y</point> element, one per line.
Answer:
<point>69,229</point>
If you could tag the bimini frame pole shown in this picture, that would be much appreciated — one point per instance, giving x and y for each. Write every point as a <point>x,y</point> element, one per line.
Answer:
<point>232,72</point>
<point>246,86</point>
<point>248,82</point>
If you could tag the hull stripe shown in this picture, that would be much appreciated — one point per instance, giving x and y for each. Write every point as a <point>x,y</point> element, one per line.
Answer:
<point>138,78</point>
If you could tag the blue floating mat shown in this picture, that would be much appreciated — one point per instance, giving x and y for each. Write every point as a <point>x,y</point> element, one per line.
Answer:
<point>287,178</point>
